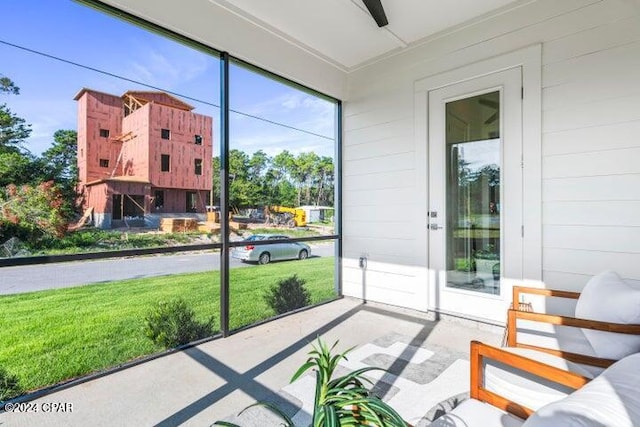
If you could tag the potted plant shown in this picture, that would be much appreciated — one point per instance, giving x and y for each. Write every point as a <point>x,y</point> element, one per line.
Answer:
<point>341,401</point>
<point>486,259</point>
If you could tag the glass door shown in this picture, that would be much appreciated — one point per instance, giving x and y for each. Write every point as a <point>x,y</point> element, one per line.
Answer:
<point>473,150</point>
<point>474,201</point>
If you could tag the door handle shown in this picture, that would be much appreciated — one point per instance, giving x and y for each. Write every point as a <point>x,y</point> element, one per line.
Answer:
<point>434,227</point>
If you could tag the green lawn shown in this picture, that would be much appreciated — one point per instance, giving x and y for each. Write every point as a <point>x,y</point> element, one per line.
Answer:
<point>55,335</point>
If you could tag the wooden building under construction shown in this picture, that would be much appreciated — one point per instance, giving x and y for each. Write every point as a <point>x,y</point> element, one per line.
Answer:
<point>141,156</point>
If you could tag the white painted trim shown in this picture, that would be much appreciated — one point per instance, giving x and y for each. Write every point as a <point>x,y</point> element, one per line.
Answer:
<point>530,60</point>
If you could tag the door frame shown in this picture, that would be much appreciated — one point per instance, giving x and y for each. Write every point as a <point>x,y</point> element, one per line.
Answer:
<point>474,303</point>
<point>530,61</point>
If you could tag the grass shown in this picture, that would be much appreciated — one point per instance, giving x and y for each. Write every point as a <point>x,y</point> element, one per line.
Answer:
<point>55,335</point>
<point>95,240</point>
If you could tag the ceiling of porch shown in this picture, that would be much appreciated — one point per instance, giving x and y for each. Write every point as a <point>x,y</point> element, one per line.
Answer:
<point>343,33</point>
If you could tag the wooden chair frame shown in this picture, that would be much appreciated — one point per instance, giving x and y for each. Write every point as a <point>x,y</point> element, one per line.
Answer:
<point>480,351</point>
<point>514,314</point>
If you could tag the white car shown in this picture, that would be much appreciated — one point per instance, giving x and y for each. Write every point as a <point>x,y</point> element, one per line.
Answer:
<point>263,254</point>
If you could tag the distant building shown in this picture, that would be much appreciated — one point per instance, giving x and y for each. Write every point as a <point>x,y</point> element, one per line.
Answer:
<point>318,213</point>
<point>142,155</point>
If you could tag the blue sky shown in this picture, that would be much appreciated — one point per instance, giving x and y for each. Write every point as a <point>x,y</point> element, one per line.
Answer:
<point>80,34</point>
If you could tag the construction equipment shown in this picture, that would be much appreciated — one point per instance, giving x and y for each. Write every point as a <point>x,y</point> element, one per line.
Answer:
<point>288,217</point>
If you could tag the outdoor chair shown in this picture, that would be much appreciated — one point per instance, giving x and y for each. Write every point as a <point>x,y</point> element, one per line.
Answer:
<point>611,398</point>
<point>604,329</point>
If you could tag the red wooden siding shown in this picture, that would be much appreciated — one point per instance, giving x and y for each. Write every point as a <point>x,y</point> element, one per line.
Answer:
<point>183,125</point>
<point>97,110</point>
<point>134,148</point>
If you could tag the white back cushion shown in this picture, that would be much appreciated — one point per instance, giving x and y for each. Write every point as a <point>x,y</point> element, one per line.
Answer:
<point>611,399</point>
<point>606,297</point>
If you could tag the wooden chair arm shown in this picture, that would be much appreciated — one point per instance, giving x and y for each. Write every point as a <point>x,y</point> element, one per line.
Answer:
<point>512,334</point>
<point>554,319</point>
<point>480,351</point>
<point>517,290</point>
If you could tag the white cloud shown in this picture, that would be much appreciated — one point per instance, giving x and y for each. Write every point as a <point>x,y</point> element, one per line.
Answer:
<point>296,109</point>
<point>166,65</point>
<point>274,141</point>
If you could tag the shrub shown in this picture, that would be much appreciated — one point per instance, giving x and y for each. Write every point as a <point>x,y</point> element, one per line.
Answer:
<point>464,264</point>
<point>173,323</point>
<point>9,385</point>
<point>32,213</point>
<point>288,294</point>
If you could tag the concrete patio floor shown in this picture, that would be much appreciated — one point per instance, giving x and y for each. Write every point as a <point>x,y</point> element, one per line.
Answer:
<point>203,384</point>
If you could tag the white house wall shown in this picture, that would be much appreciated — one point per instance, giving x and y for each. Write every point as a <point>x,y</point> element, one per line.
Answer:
<point>590,153</point>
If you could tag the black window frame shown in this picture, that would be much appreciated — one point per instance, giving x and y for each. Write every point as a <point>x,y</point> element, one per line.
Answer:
<point>223,178</point>
<point>197,139</point>
<point>104,163</point>
<point>197,166</point>
<point>104,133</point>
<point>165,134</point>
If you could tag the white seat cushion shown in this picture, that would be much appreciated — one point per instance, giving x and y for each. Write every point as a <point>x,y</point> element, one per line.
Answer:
<point>473,413</point>
<point>606,297</point>
<point>557,337</point>
<point>525,388</point>
<point>611,399</point>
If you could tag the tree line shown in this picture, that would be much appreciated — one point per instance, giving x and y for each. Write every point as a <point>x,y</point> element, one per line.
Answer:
<point>285,179</point>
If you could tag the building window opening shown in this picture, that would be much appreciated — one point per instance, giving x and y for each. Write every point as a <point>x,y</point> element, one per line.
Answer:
<point>133,206</point>
<point>104,163</point>
<point>198,139</point>
<point>165,163</point>
<point>159,199</point>
<point>192,201</point>
<point>165,134</point>
<point>104,133</point>
<point>198,166</point>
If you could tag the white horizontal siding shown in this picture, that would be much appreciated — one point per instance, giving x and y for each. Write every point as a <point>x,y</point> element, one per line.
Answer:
<point>602,239</point>
<point>573,281</point>
<point>380,148</point>
<point>381,199</point>
<point>379,180</point>
<point>608,188</point>
<point>623,213</point>
<point>392,283</point>
<point>591,148</point>
<point>401,128</point>
<point>393,250</point>
<point>601,35</point>
<point>404,213</point>
<point>591,263</point>
<point>389,163</point>
<point>595,113</point>
<point>380,230</point>
<point>595,163</point>
<point>592,138</point>
<point>591,193</point>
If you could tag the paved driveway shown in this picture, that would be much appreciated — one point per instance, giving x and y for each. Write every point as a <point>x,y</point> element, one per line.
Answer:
<point>14,280</point>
